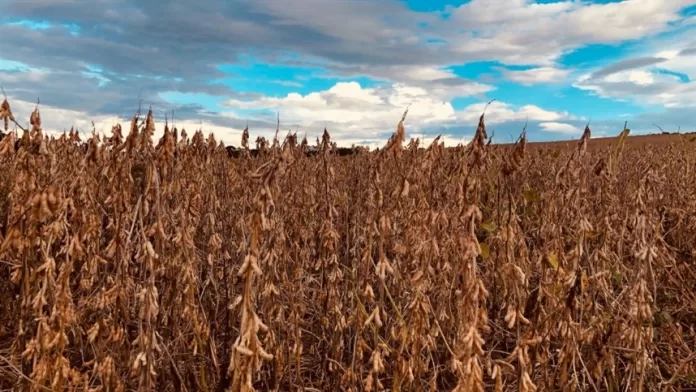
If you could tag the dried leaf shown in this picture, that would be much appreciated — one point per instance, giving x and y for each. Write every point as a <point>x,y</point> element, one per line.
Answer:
<point>552,260</point>
<point>531,195</point>
<point>485,250</point>
<point>489,226</point>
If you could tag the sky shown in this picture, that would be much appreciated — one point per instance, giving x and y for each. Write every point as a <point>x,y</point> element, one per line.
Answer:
<point>354,66</point>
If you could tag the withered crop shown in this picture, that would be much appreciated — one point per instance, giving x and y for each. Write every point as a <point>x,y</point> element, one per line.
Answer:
<point>132,264</point>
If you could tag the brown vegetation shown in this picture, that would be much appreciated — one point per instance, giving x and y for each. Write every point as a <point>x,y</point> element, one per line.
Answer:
<point>168,266</point>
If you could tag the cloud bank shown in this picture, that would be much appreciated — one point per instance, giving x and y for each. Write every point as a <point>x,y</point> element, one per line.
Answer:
<point>355,69</point>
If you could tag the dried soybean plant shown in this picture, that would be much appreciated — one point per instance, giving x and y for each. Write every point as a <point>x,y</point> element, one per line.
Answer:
<point>133,264</point>
<point>248,351</point>
<point>472,292</point>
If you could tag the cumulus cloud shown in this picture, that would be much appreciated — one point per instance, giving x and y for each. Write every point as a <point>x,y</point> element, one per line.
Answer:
<point>359,113</point>
<point>441,82</point>
<point>559,127</point>
<point>501,112</point>
<point>532,76</point>
<point>665,78</point>
<point>353,111</point>
<point>526,32</point>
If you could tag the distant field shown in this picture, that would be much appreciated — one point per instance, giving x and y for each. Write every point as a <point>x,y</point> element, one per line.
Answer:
<point>632,141</point>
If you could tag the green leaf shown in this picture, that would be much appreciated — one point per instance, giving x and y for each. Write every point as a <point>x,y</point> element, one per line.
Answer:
<point>690,377</point>
<point>661,318</point>
<point>618,278</point>
<point>556,289</point>
<point>485,251</point>
<point>611,382</point>
<point>489,226</point>
<point>552,261</point>
<point>531,195</point>
<point>622,138</point>
<point>618,147</point>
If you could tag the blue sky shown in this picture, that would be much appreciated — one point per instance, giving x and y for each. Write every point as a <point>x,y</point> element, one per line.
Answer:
<point>354,66</point>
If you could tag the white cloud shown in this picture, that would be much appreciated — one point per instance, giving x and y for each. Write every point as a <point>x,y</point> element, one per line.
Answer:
<point>427,74</point>
<point>13,72</point>
<point>500,112</point>
<point>667,54</point>
<point>357,128</point>
<point>689,21</point>
<point>369,115</point>
<point>650,88</point>
<point>685,64</point>
<point>449,140</point>
<point>668,82</point>
<point>55,121</point>
<point>440,82</point>
<point>524,32</point>
<point>352,113</point>
<point>33,75</point>
<point>559,127</point>
<point>355,111</point>
<point>532,76</point>
<point>642,78</point>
